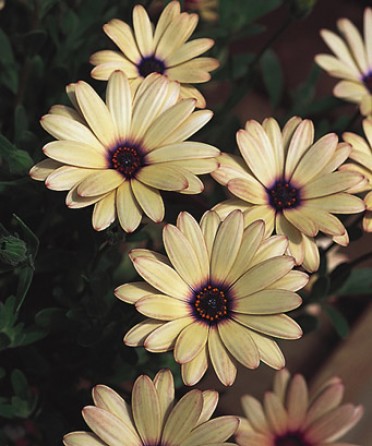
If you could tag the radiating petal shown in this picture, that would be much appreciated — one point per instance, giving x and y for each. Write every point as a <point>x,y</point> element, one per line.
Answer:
<point>276,413</point>
<point>213,431</point>
<point>82,439</point>
<point>190,342</point>
<point>66,177</point>
<point>161,277</point>
<point>262,276</point>
<point>143,30</point>
<point>121,34</point>
<point>119,102</point>
<point>76,154</point>
<point>239,343</point>
<point>104,212</point>
<point>183,418</point>
<point>43,169</point>
<point>297,402</point>
<point>301,140</point>
<point>226,246</point>
<point>182,256</point>
<point>268,302</point>
<point>128,210</point>
<point>149,199</point>
<point>164,338</point>
<point>222,363</point>
<point>136,336</point>
<point>145,407</point>
<point>164,385</point>
<point>268,350</point>
<point>100,182</point>
<point>193,371</point>
<point>278,325</point>
<point>164,308</point>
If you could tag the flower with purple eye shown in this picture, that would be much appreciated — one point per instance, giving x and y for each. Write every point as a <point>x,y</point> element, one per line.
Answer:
<point>219,296</point>
<point>290,181</point>
<point>164,49</point>
<point>352,62</point>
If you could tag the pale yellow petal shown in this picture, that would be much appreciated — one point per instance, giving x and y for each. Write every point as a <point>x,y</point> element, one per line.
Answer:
<point>299,143</point>
<point>193,371</point>
<point>222,363</point>
<point>190,342</point>
<point>128,210</point>
<point>100,182</point>
<point>189,50</point>
<point>278,325</point>
<point>104,212</point>
<point>76,154</point>
<point>119,102</point>
<point>136,336</point>
<point>43,169</point>
<point>149,199</point>
<point>143,30</point>
<point>96,114</point>
<point>164,338</point>
<point>121,34</point>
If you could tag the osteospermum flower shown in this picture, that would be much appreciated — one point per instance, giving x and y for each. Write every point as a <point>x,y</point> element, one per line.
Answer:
<point>352,62</point>
<point>361,154</point>
<point>294,416</point>
<point>153,419</point>
<point>219,296</point>
<point>119,155</point>
<point>164,50</point>
<point>291,183</point>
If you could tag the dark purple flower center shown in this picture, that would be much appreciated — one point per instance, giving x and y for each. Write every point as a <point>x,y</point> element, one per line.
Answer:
<point>211,304</point>
<point>291,439</point>
<point>367,80</point>
<point>283,195</point>
<point>150,64</point>
<point>127,159</point>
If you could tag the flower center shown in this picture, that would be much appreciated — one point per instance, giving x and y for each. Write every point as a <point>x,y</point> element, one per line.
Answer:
<point>126,159</point>
<point>150,65</point>
<point>211,304</point>
<point>283,195</point>
<point>367,80</point>
<point>291,439</point>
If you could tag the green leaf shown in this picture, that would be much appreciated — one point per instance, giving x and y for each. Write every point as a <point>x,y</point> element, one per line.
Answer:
<point>12,250</point>
<point>272,76</point>
<point>338,320</point>
<point>8,67</point>
<point>240,64</point>
<point>359,281</point>
<point>18,161</point>
<point>19,384</point>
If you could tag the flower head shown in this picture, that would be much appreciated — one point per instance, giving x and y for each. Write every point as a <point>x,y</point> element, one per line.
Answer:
<point>220,295</point>
<point>118,155</point>
<point>294,416</point>
<point>153,419</point>
<point>290,182</point>
<point>352,62</point>
<point>361,155</point>
<point>164,50</point>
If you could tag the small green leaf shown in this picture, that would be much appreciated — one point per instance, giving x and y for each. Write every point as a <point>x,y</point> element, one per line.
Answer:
<point>272,76</point>
<point>357,282</point>
<point>8,67</point>
<point>19,384</point>
<point>18,161</point>
<point>338,320</point>
<point>12,250</point>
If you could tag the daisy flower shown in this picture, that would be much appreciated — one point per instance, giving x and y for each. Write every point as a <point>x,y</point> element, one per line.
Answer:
<point>291,183</point>
<point>352,62</point>
<point>163,50</point>
<point>294,416</point>
<point>220,295</point>
<point>361,154</point>
<point>153,419</point>
<point>118,155</point>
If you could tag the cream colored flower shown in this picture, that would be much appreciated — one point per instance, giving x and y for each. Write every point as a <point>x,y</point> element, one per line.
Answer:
<point>352,62</point>
<point>294,416</point>
<point>219,296</point>
<point>153,419</point>
<point>361,154</point>
<point>207,9</point>
<point>164,50</point>
<point>118,155</point>
<point>291,183</point>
